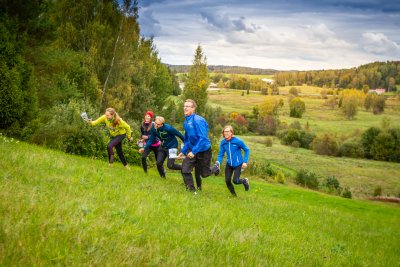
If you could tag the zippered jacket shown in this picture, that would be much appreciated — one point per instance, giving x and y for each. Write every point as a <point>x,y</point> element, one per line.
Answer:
<point>167,134</point>
<point>120,129</point>
<point>143,130</point>
<point>233,149</point>
<point>196,134</point>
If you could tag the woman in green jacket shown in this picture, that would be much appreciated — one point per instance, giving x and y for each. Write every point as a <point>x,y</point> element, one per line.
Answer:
<point>118,129</point>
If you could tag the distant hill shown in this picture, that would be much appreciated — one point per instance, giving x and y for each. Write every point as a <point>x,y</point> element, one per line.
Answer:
<point>225,69</point>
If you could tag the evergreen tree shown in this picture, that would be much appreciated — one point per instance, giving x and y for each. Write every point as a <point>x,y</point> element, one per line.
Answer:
<point>198,81</point>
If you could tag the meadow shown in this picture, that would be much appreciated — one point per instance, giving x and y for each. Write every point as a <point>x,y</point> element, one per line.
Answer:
<point>361,176</point>
<point>60,209</point>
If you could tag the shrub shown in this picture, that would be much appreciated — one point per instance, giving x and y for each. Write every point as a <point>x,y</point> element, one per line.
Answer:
<point>295,144</point>
<point>332,183</point>
<point>268,141</point>
<point>325,145</point>
<point>262,169</point>
<point>267,125</point>
<point>351,149</point>
<point>383,147</point>
<point>367,140</point>
<point>307,178</point>
<point>378,104</point>
<point>288,137</point>
<point>280,177</point>
<point>377,191</point>
<point>346,193</point>
<point>297,107</point>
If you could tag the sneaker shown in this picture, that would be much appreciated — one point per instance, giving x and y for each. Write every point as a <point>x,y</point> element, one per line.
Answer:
<point>217,168</point>
<point>195,193</point>
<point>246,184</point>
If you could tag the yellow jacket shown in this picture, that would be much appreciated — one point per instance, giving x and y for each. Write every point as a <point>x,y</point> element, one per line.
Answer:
<point>120,129</point>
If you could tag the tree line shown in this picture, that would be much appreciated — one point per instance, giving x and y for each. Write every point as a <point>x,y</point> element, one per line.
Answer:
<point>370,76</point>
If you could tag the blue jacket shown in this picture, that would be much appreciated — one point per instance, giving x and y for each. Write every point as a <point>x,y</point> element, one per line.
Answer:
<point>167,134</point>
<point>233,149</point>
<point>196,134</point>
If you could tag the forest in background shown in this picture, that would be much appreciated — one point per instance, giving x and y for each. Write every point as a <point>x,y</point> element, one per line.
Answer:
<point>88,54</point>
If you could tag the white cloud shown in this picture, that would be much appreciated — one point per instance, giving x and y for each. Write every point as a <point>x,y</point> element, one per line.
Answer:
<point>379,43</point>
<point>280,35</point>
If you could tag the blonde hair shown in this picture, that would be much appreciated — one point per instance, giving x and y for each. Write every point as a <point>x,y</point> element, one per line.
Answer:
<point>227,127</point>
<point>192,101</point>
<point>115,115</point>
<point>161,119</point>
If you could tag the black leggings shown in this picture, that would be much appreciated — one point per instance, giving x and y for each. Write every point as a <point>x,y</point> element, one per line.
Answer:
<point>158,156</point>
<point>236,177</point>
<point>117,143</point>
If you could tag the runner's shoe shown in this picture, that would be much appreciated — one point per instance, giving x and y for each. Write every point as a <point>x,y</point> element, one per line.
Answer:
<point>246,184</point>
<point>217,168</point>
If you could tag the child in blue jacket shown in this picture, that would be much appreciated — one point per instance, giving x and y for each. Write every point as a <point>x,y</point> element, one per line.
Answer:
<point>235,162</point>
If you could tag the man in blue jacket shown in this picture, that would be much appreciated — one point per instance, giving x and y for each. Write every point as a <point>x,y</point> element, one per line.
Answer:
<point>197,147</point>
<point>167,135</point>
<point>235,161</point>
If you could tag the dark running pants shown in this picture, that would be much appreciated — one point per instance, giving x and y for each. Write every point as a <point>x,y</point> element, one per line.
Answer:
<point>201,163</point>
<point>170,162</point>
<point>158,156</point>
<point>236,177</point>
<point>117,143</point>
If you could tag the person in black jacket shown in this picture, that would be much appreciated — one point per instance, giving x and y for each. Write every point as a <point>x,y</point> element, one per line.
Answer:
<point>169,143</point>
<point>153,144</point>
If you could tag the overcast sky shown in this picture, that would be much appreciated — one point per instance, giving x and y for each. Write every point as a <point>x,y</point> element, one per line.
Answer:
<point>281,34</point>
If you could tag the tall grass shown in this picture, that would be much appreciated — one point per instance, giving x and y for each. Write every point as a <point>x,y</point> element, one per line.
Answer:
<point>59,209</point>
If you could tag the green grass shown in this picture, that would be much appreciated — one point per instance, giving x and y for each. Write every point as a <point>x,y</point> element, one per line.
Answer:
<point>59,209</point>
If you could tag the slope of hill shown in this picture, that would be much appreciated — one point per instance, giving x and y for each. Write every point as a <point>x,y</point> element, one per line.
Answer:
<point>59,209</point>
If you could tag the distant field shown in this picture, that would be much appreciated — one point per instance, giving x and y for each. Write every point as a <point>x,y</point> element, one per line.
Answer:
<point>320,118</point>
<point>360,175</point>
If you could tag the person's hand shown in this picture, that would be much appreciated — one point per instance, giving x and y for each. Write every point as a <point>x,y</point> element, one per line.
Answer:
<point>141,150</point>
<point>180,156</point>
<point>145,137</point>
<point>190,155</point>
<point>244,165</point>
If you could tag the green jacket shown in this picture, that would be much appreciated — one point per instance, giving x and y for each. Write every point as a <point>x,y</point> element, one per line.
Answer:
<point>120,129</point>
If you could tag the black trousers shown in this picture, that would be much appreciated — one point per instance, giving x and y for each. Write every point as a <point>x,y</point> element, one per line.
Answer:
<point>158,156</point>
<point>201,163</point>
<point>236,177</point>
<point>170,161</point>
<point>117,143</point>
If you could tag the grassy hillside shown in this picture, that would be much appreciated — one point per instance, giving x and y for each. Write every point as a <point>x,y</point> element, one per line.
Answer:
<point>361,176</point>
<point>59,209</point>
